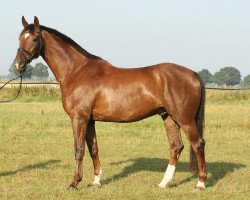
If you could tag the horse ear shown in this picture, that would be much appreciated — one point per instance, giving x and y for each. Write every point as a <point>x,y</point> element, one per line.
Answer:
<point>36,23</point>
<point>24,22</point>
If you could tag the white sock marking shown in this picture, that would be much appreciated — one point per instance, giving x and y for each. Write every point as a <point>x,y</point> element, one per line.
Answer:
<point>168,176</point>
<point>200,184</point>
<point>97,178</point>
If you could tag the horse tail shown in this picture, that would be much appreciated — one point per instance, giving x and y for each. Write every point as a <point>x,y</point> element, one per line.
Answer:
<point>200,122</point>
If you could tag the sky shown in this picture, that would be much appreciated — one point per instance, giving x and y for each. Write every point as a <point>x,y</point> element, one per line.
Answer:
<point>135,33</point>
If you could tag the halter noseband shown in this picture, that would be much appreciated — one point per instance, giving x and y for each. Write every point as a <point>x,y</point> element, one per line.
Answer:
<point>31,55</point>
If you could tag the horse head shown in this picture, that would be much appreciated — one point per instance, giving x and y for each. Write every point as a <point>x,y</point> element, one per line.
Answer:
<point>30,44</point>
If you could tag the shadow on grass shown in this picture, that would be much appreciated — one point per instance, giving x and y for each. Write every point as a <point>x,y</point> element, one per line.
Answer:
<point>218,170</point>
<point>41,165</point>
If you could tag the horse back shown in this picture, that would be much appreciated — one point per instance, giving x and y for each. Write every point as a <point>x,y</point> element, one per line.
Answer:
<point>134,94</point>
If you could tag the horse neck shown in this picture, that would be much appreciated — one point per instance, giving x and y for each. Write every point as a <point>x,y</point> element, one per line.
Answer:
<point>60,57</point>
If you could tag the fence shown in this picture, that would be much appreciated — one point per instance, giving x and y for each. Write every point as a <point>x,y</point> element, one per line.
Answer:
<point>55,83</point>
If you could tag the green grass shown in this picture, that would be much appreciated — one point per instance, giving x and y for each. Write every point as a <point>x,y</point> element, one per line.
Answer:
<point>228,97</point>
<point>37,158</point>
<point>32,93</point>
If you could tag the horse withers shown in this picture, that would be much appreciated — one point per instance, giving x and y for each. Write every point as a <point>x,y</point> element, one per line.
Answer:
<point>94,90</point>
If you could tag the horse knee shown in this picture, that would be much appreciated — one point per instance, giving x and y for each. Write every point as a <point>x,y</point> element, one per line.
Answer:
<point>177,149</point>
<point>199,146</point>
<point>94,152</point>
<point>79,154</point>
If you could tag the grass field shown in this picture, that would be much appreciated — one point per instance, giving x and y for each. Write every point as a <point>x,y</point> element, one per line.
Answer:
<point>37,158</point>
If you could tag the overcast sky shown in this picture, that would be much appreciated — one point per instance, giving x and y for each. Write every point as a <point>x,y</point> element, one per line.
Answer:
<point>135,33</point>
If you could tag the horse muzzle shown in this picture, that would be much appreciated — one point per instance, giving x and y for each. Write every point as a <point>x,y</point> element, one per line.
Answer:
<point>19,63</point>
<point>21,67</point>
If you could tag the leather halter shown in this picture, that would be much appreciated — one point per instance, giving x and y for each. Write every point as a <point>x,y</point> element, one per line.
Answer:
<point>31,55</point>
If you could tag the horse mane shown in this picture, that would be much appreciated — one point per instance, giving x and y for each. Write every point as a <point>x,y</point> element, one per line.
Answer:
<point>67,39</point>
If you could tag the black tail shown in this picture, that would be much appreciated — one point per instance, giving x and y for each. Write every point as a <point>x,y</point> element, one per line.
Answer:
<point>200,121</point>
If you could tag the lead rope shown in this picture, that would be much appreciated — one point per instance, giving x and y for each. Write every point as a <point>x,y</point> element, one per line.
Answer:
<point>19,90</point>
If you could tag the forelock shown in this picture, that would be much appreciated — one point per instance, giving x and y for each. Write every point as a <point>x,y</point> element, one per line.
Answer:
<point>30,28</point>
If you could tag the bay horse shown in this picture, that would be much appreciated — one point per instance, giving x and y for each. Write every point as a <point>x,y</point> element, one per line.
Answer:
<point>94,90</point>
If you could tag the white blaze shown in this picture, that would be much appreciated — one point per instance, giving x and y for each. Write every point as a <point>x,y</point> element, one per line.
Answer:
<point>26,35</point>
<point>17,66</point>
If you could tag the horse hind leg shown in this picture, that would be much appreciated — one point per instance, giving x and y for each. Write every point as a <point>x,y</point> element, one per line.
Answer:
<point>93,150</point>
<point>198,145</point>
<point>175,145</point>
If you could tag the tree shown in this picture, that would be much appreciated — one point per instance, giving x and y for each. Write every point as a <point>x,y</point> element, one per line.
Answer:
<point>27,74</point>
<point>206,76</point>
<point>228,76</point>
<point>28,71</point>
<point>246,81</point>
<point>40,71</point>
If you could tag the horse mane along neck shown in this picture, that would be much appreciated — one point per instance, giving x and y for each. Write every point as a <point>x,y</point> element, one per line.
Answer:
<point>65,38</point>
<point>71,42</point>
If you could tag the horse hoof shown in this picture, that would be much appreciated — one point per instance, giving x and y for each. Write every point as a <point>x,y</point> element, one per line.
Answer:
<point>200,188</point>
<point>72,188</point>
<point>96,184</point>
<point>161,186</point>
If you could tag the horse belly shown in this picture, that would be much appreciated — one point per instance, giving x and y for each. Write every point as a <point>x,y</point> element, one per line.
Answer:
<point>125,108</point>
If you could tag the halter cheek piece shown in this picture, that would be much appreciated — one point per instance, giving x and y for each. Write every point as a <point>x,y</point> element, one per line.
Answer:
<point>31,55</point>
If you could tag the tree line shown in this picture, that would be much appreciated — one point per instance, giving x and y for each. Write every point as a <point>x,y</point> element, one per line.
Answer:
<point>40,71</point>
<point>228,76</point>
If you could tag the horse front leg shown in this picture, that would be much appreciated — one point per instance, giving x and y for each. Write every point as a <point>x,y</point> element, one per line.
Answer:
<point>79,125</point>
<point>93,150</point>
